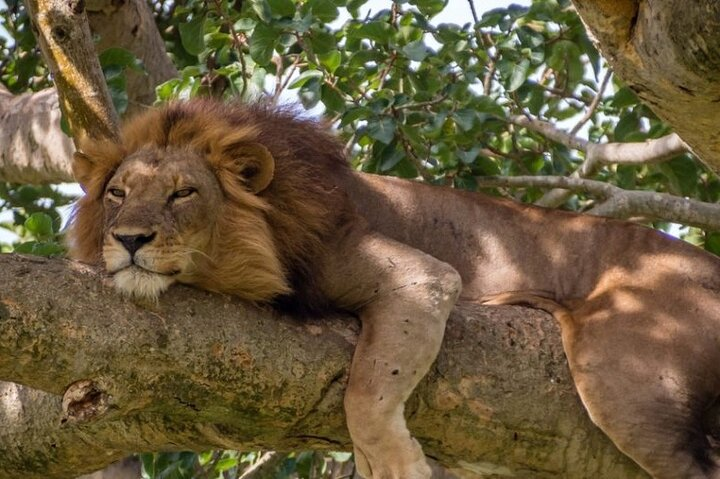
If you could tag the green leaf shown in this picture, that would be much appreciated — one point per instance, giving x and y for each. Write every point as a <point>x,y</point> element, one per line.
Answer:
<point>305,77</point>
<point>262,43</point>
<point>323,10</point>
<point>226,463</point>
<point>118,93</point>
<point>116,56</point>
<point>282,8</point>
<point>429,8</point>
<point>40,225</point>
<point>332,99</point>
<point>331,60</point>
<point>382,130</point>
<point>353,7</point>
<point>322,42</point>
<point>262,8</point>
<point>624,98</point>
<point>310,93</point>
<point>519,74</point>
<point>628,123</point>
<point>192,35</point>
<point>40,248</point>
<point>416,51</point>
<point>712,242</point>
<point>465,118</point>
<point>354,114</point>
<point>377,30</point>
<point>245,24</point>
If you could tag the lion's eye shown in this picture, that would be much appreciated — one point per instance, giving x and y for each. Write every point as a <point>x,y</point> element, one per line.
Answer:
<point>183,193</point>
<point>116,192</point>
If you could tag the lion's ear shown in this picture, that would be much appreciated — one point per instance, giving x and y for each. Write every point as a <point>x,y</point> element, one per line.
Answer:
<point>94,161</point>
<point>84,170</point>
<point>256,166</point>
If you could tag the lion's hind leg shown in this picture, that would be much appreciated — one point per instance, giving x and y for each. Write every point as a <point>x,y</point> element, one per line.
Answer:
<point>663,431</point>
<point>652,390</point>
<point>649,379</point>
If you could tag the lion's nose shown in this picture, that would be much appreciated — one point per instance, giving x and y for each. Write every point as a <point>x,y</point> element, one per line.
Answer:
<point>132,243</point>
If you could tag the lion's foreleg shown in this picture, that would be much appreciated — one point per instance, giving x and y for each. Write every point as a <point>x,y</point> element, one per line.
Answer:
<point>403,297</point>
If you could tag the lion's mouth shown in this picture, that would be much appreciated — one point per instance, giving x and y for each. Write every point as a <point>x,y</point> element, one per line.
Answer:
<point>142,283</point>
<point>135,266</point>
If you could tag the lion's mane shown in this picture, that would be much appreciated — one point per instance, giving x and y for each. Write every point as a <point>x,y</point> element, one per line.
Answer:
<point>294,218</point>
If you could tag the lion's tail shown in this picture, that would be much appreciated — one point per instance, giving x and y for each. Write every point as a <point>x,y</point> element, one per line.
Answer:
<point>534,299</point>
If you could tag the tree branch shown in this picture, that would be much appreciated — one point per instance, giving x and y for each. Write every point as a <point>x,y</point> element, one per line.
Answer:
<point>201,371</point>
<point>598,154</point>
<point>63,33</point>
<point>620,203</point>
<point>33,149</point>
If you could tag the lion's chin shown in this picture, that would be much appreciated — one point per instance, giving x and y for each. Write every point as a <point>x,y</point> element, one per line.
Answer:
<point>140,283</point>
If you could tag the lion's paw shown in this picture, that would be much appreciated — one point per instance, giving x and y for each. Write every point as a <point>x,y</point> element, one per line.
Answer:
<point>404,462</point>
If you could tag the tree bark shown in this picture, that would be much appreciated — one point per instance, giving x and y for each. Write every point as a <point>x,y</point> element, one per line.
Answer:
<point>130,24</point>
<point>63,33</point>
<point>199,371</point>
<point>33,148</point>
<point>668,52</point>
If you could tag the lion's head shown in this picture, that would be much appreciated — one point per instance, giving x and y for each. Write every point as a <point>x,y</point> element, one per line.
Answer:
<point>230,198</point>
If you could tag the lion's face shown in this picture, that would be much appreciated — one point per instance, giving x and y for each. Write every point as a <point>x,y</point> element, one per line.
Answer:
<point>231,198</point>
<point>160,208</point>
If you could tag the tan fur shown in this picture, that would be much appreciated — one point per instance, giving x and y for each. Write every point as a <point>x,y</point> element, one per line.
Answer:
<point>263,245</point>
<point>278,217</point>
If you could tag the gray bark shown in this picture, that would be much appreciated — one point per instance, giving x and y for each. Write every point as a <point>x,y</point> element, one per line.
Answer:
<point>200,371</point>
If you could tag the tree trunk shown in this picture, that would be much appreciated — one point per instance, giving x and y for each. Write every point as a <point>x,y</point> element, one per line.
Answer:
<point>668,52</point>
<point>200,371</point>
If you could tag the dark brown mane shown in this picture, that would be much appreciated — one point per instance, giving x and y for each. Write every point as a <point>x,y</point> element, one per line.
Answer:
<point>305,204</point>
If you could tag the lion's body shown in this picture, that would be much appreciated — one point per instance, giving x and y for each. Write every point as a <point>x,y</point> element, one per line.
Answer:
<point>640,312</point>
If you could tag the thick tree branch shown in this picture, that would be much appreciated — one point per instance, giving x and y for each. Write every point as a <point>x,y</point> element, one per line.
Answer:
<point>620,203</point>
<point>202,371</point>
<point>63,33</point>
<point>667,52</point>
<point>33,149</point>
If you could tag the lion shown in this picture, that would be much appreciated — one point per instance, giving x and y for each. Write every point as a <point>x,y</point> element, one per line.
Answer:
<point>259,202</point>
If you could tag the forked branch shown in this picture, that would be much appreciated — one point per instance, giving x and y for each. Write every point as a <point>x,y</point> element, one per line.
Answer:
<point>620,203</point>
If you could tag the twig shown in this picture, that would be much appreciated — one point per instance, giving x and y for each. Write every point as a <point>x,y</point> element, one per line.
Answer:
<point>422,104</point>
<point>266,460</point>
<point>593,105</point>
<point>473,11</point>
<point>417,163</point>
<point>550,131</point>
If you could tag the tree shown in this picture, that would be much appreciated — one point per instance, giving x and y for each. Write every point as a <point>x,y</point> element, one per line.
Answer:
<point>518,97</point>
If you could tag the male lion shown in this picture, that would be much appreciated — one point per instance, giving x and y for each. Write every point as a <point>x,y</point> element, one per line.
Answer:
<point>254,201</point>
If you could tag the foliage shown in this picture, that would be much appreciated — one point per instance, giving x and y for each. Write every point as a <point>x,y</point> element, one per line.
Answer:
<point>35,219</point>
<point>232,464</point>
<point>411,96</point>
